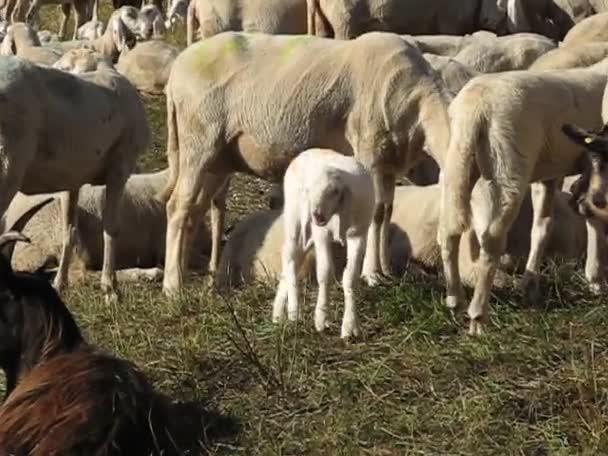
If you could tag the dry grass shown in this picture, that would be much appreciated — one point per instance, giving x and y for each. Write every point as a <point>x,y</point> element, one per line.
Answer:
<point>536,384</point>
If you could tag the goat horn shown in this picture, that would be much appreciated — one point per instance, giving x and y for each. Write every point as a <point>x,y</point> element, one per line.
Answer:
<point>8,239</point>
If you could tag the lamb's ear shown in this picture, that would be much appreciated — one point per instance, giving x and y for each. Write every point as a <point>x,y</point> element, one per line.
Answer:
<point>589,139</point>
<point>8,44</point>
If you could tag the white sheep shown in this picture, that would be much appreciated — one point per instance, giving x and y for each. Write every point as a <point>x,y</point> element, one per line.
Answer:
<point>573,56</point>
<point>107,130</point>
<point>81,60</point>
<point>252,102</point>
<point>506,134</point>
<point>328,196</point>
<point>93,29</point>
<point>511,52</point>
<point>454,73</point>
<point>448,45</point>
<point>591,29</point>
<point>148,65</point>
<point>139,244</point>
<point>21,40</point>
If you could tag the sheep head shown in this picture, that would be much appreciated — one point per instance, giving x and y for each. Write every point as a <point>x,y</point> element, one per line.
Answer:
<point>328,195</point>
<point>594,187</point>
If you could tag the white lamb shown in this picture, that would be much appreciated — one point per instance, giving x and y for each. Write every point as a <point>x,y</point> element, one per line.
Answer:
<point>328,197</point>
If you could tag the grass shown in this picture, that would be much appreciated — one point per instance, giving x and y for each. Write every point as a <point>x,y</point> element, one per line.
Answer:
<point>535,384</point>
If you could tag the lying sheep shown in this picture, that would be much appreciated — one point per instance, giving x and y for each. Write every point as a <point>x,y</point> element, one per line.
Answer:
<point>238,102</point>
<point>47,37</point>
<point>496,150</point>
<point>21,40</point>
<point>253,250</point>
<point>328,197</point>
<point>139,244</point>
<point>148,65</point>
<point>65,396</point>
<point>574,56</point>
<point>512,52</point>
<point>592,29</point>
<point>109,131</point>
<point>78,61</point>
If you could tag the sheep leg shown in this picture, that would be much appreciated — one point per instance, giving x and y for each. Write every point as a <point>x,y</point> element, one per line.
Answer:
<point>389,196</point>
<point>543,196</point>
<point>82,14</point>
<point>324,266</point>
<point>595,265</point>
<point>32,12</point>
<point>192,23</point>
<point>355,250</point>
<point>372,264</point>
<point>192,193</point>
<point>218,216</point>
<point>66,10</point>
<point>16,10</point>
<point>69,218</point>
<point>287,292</point>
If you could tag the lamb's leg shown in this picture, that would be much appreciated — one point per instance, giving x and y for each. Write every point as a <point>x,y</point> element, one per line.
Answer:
<point>499,216</point>
<point>372,263</point>
<point>82,14</point>
<point>66,9</point>
<point>389,196</point>
<point>324,266</point>
<point>218,215</point>
<point>69,219</point>
<point>192,194</point>
<point>355,250</point>
<point>595,265</point>
<point>115,186</point>
<point>32,12</point>
<point>543,196</point>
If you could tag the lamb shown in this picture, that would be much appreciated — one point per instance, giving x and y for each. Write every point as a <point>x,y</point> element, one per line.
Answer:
<point>148,65</point>
<point>574,56</point>
<point>21,40</point>
<point>591,29</point>
<point>78,61</point>
<point>327,197</point>
<point>513,52</point>
<point>253,250</point>
<point>140,243</point>
<point>497,149</point>
<point>110,131</point>
<point>240,102</point>
<point>211,17</point>
<point>66,396</point>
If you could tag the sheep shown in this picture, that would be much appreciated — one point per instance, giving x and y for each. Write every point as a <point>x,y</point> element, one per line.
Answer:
<point>93,29</point>
<point>109,131</point>
<point>81,60</point>
<point>177,13</point>
<point>47,37</point>
<point>153,16</point>
<point>591,29</point>
<point>253,250</point>
<point>148,65</point>
<point>328,196</point>
<point>252,102</point>
<point>496,150</point>
<point>21,40</point>
<point>513,52</point>
<point>66,396</point>
<point>448,45</point>
<point>140,243</point>
<point>82,12</point>
<point>211,17</point>
<point>574,56</point>
<point>454,73</point>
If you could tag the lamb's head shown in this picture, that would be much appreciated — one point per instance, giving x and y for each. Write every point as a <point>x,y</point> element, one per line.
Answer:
<point>595,184</point>
<point>81,60</point>
<point>151,22</point>
<point>117,38</point>
<point>18,35</point>
<point>328,195</point>
<point>34,323</point>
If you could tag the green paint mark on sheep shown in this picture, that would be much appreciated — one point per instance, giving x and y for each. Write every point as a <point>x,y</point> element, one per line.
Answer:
<point>293,43</point>
<point>209,56</point>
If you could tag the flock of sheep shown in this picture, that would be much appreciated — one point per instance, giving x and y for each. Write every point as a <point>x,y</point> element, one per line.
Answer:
<point>493,111</point>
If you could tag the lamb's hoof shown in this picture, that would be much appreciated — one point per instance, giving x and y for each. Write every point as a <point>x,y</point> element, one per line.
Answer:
<point>278,316</point>
<point>350,330</point>
<point>321,323</point>
<point>452,302</point>
<point>170,292</point>
<point>292,315</point>
<point>372,279</point>
<point>597,288</point>
<point>475,327</point>
<point>111,297</point>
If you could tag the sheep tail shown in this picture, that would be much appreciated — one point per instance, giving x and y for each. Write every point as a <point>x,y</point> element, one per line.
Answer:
<point>466,141</point>
<point>172,150</point>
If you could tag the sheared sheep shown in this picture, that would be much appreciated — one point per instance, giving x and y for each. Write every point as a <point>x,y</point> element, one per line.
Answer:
<point>496,150</point>
<point>454,73</point>
<point>512,52</point>
<point>253,250</point>
<point>592,29</point>
<point>109,131</point>
<point>148,65</point>
<point>65,396</point>
<point>252,102</point>
<point>574,56</point>
<point>21,40</point>
<point>448,45</point>
<point>139,244</point>
<point>328,197</point>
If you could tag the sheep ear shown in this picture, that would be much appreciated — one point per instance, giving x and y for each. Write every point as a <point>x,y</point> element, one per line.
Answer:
<point>119,34</point>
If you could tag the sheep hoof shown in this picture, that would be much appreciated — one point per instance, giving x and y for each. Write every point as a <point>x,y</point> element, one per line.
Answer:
<point>350,330</point>
<point>292,316</point>
<point>372,279</point>
<point>452,302</point>
<point>278,317</point>
<point>475,327</point>
<point>530,286</point>
<point>596,288</point>
<point>321,323</point>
